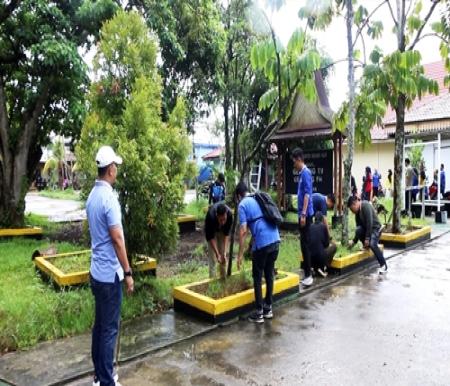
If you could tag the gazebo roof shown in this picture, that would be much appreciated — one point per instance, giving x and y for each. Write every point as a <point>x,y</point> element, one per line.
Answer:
<point>308,119</point>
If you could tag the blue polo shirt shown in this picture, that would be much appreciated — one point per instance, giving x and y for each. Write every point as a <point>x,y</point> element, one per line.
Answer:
<point>103,212</point>
<point>319,202</point>
<point>305,188</point>
<point>264,233</point>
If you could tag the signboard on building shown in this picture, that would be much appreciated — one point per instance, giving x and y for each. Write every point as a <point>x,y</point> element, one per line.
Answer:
<point>320,162</point>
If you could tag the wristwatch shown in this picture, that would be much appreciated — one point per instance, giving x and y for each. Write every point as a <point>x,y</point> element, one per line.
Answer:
<point>128,273</point>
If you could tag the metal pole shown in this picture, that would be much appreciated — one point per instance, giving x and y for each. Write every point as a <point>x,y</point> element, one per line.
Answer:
<point>439,173</point>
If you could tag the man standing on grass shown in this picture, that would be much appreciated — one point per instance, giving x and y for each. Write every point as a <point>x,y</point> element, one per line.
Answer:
<point>266,241</point>
<point>368,229</point>
<point>109,265</point>
<point>218,223</point>
<point>305,210</point>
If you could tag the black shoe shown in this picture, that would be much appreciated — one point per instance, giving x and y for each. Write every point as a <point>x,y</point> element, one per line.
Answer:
<point>268,314</point>
<point>256,317</point>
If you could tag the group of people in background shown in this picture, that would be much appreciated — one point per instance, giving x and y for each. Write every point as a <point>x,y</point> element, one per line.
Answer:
<point>416,184</point>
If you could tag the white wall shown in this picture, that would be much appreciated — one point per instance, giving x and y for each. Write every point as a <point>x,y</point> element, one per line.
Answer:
<point>378,155</point>
<point>430,154</point>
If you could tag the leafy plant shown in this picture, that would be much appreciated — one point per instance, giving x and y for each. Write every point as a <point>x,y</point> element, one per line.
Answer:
<point>126,113</point>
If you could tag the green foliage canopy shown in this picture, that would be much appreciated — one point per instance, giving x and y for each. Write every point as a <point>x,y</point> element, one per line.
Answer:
<point>125,112</point>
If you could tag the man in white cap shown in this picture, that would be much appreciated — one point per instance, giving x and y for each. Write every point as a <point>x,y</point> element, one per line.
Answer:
<point>109,265</point>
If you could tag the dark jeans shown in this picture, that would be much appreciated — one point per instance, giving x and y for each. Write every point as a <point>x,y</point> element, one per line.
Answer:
<point>375,191</point>
<point>408,197</point>
<point>373,243</point>
<point>108,299</point>
<point>263,263</point>
<point>324,260</point>
<point>304,246</point>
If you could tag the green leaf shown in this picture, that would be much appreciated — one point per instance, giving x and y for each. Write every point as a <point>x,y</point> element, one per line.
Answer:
<point>414,23</point>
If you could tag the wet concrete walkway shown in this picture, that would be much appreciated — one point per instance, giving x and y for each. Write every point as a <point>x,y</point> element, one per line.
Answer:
<point>365,330</point>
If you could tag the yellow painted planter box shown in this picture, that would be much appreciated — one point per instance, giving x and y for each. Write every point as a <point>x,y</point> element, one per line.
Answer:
<point>392,240</point>
<point>353,260</point>
<point>63,279</point>
<point>186,223</point>
<point>21,232</point>
<point>221,310</point>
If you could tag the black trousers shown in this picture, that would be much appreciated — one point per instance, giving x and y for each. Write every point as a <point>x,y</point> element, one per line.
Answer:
<point>325,259</point>
<point>373,243</point>
<point>304,245</point>
<point>263,263</point>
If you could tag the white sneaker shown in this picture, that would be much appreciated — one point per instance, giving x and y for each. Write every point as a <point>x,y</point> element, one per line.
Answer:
<point>383,269</point>
<point>307,281</point>
<point>322,272</point>
<point>115,377</point>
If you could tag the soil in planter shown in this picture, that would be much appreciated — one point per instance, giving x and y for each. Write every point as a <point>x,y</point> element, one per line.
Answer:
<point>75,263</point>
<point>221,288</point>
<point>80,263</point>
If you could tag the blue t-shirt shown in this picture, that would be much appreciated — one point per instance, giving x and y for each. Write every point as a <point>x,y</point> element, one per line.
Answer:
<point>264,233</point>
<point>305,188</point>
<point>319,202</point>
<point>103,212</point>
<point>376,180</point>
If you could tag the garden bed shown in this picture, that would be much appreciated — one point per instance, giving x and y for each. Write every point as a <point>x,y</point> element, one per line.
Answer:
<point>407,239</point>
<point>193,298</point>
<point>71,269</point>
<point>186,223</point>
<point>22,232</point>
<point>342,264</point>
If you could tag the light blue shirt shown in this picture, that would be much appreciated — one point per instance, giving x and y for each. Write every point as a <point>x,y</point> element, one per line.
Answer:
<point>264,233</point>
<point>103,212</point>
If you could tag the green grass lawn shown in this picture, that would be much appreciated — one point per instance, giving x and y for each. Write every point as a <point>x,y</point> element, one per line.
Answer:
<point>196,208</point>
<point>32,311</point>
<point>68,194</point>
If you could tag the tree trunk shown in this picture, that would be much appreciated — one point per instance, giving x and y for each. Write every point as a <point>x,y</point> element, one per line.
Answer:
<point>398,163</point>
<point>399,128</point>
<point>18,163</point>
<point>351,120</point>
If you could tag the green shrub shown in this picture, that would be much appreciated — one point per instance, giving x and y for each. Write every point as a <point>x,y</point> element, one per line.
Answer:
<point>125,112</point>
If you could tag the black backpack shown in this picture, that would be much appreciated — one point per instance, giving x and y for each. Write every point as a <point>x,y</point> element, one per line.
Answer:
<point>269,209</point>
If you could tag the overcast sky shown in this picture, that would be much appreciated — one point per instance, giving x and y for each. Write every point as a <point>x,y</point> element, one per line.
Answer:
<point>333,40</point>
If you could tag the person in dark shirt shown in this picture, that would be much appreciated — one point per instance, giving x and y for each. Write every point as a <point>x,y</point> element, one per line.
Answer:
<point>368,228</point>
<point>322,203</point>
<point>218,223</point>
<point>217,191</point>
<point>321,248</point>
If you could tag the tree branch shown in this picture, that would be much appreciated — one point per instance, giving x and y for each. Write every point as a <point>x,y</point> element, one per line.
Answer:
<point>392,13</point>
<point>366,21</point>
<point>425,21</point>
<point>434,34</point>
<point>340,61</point>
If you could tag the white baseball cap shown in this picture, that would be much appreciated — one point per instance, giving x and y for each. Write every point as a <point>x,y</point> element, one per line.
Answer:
<point>106,156</point>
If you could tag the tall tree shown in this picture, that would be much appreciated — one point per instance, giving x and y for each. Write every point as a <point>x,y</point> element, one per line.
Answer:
<point>125,112</point>
<point>191,40</point>
<point>43,81</point>
<point>240,86</point>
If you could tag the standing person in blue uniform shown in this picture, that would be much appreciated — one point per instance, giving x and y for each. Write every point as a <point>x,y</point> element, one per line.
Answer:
<point>109,265</point>
<point>217,191</point>
<point>376,182</point>
<point>442,180</point>
<point>305,210</point>
<point>265,246</point>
